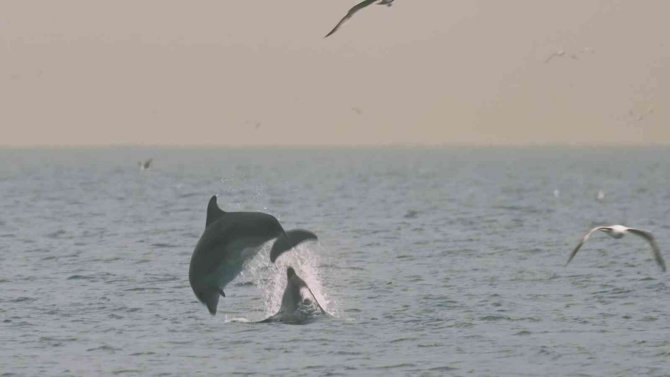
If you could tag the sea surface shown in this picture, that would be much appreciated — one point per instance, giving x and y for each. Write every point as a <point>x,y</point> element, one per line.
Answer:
<point>433,262</point>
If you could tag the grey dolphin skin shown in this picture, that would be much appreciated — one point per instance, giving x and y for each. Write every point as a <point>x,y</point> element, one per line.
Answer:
<point>298,304</point>
<point>229,240</point>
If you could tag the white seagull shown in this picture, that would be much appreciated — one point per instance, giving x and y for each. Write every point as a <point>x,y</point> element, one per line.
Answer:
<point>618,231</point>
<point>355,9</point>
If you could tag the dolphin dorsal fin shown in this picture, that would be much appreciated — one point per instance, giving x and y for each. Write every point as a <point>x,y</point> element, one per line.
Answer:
<point>213,211</point>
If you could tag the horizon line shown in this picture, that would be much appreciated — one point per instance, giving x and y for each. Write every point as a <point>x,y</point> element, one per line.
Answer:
<point>332,146</point>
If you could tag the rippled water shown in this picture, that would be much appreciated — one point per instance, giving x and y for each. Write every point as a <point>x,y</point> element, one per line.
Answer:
<point>434,262</point>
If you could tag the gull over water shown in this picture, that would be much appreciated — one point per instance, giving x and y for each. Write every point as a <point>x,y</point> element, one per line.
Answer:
<point>618,231</point>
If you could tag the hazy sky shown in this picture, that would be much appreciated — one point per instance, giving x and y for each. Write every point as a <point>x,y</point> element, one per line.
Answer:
<point>225,72</point>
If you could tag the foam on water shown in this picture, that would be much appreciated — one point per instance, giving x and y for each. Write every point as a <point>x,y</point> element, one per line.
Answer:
<point>270,278</point>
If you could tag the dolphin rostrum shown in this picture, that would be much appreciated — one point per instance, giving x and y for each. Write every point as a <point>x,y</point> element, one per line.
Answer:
<point>230,239</point>
<point>298,304</point>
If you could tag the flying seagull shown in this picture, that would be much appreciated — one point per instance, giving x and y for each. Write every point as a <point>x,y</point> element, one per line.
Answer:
<point>355,9</point>
<point>618,231</point>
<point>146,164</point>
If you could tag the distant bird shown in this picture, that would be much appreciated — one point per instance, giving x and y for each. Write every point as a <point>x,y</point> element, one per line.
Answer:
<point>146,164</point>
<point>257,124</point>
<point>355,9</point>
<point>600,196</point>
<point>618,231</point>
<point>557,193</point>
<point>411,214</point>
<point>637,117</point>
<point>557,54</point>
<point>574,55</point>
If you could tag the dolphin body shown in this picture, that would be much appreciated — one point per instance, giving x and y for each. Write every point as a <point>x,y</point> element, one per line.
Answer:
<point>230,239</point>
<point>298,304</point>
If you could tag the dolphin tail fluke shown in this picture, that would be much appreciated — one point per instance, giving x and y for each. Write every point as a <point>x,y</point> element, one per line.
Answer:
<point>289,240</point>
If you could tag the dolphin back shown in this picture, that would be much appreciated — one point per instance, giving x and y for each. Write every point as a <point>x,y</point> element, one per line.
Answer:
<point>289,240</point>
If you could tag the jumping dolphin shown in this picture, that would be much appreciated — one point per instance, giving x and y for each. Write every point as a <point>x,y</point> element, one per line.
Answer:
<point>230,239</point>
<point>298,304</point>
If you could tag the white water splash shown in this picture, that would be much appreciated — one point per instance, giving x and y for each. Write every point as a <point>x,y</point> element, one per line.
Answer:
<point>270,278</point>
<point>236,319</point>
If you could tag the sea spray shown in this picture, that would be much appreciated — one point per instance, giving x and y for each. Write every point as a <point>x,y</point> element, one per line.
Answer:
<point>270,279</point>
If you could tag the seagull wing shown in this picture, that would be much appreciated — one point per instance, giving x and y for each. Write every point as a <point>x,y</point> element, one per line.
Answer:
<point>351,12</point>
<point>584,239</point>
<point>654,246</point>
